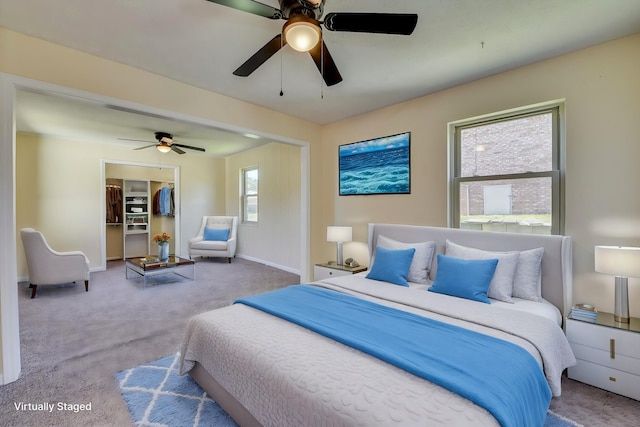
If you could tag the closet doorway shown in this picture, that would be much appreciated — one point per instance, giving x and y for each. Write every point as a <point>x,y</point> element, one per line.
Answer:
<point>141,200</point>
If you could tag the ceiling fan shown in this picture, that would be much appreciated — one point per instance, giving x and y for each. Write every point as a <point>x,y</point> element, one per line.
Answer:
<point>302,30</point>
<point>165,144</point>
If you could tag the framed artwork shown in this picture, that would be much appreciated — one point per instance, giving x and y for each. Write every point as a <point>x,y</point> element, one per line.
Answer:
<point>376,166</point>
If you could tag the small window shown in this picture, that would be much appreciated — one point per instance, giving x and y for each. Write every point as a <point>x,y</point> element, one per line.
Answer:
<point>250,195</point>
<point>506,172</point>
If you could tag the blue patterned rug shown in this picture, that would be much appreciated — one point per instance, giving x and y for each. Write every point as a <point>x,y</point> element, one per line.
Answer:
<point>157,396</point>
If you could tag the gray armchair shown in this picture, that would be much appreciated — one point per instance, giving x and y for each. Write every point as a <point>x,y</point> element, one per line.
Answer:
<point>49,267</point>
<point>211,240</point>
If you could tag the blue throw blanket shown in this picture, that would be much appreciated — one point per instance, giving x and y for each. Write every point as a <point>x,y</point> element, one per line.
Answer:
<point>497,375</point>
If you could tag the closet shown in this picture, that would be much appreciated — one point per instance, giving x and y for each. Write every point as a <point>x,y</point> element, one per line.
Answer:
<point>132,216</point>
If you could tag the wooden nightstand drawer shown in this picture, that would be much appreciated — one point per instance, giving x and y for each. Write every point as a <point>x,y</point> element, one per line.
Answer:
<point>606,378</point>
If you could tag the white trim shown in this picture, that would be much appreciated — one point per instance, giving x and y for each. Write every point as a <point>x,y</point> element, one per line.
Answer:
<point>9,320</point>
<point>243,195</point>
<point>9,85</point>
<point>505,114</point>
<point>269,263</point>
<point>511,111</point>
<point>305,214</point>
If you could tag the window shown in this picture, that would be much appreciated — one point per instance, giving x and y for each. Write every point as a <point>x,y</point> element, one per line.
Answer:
<point>250,195</point>
<point>505,172</point>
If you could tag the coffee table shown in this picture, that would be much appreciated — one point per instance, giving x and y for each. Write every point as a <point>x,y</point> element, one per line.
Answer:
<point>152,266</point>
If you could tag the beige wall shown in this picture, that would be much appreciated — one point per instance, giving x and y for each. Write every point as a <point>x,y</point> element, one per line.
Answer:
<point>24,56</point>
<point>276,238</point>
<point>602,92</point>
<point>602,95</point>
<point>59,190</point>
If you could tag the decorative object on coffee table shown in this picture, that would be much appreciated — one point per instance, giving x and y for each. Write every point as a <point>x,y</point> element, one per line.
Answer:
<point>162,240</point>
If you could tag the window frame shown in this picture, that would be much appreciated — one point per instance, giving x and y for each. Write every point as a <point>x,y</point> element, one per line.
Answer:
<point>244,195</point>
<point>557,172</point>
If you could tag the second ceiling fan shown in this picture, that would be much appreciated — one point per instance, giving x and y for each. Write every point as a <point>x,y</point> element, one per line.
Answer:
<point>165,144</point>
<point>303,32</point>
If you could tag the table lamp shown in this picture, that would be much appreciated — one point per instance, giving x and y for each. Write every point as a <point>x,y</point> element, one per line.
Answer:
<point>339,235</point>
<point>621,262</point>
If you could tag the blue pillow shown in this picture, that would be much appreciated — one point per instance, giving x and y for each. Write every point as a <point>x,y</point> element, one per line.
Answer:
<point>391,265</point>
<point>461,278</point>
<point>217,234</point>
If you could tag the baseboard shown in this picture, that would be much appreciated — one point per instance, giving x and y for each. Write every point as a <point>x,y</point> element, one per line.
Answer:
<point>91,270</point>
<point>270,264</point>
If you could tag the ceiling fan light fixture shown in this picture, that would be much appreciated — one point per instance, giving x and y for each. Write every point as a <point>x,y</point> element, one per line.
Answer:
<point>302,33</point>
<point>163,147</point>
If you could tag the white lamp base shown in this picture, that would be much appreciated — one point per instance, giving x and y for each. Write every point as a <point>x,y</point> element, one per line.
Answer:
<point>621,310</point>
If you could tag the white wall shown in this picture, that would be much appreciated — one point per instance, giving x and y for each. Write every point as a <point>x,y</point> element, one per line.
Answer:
<point>276,238</point>
<point>602,92</point>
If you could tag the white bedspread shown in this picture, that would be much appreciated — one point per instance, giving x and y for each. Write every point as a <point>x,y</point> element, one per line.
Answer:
<point>547,337</point>
<point>286,375</point>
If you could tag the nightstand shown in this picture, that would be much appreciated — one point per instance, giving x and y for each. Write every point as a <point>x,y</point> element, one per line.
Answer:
<point>608,353</point>
<point>325,271</point>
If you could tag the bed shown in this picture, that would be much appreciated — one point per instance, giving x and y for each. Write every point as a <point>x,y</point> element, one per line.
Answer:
<point>267,361</point>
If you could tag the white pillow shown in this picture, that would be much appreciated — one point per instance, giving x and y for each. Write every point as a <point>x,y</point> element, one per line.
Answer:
<point>527,283</point>
<point>501,286</point>
<point>421,264</point>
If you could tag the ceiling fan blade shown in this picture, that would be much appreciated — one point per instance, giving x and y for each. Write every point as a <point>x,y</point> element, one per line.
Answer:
<point>260,57</point>
<point>187,146</point>
<point>252,7</point>
<point>383,23</point>
<point>324,60</point>
<point>142,148</point>
<point>176,149</point>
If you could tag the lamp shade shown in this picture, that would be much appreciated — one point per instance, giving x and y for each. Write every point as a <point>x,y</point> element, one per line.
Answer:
<point>338,234</point>
<point>618,260</point>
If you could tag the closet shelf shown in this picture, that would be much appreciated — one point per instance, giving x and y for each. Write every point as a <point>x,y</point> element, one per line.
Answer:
<point>137,231</point>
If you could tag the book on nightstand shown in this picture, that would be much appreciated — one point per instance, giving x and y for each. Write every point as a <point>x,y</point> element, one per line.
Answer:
<point>586,312</point>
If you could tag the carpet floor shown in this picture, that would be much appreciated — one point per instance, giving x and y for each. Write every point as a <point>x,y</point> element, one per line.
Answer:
<point>74,343</point>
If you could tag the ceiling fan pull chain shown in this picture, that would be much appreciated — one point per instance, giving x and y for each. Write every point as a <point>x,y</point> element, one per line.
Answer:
<point>281,67</point>
<point>321,66</point>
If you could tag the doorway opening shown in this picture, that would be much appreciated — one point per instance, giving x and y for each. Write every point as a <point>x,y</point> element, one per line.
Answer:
<point>132,221</point>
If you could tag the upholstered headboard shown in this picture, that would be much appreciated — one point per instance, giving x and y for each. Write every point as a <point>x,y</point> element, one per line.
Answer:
<point>557,267</point>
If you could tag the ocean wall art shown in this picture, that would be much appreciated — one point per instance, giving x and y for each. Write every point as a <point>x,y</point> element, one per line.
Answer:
<point>376,166</point>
